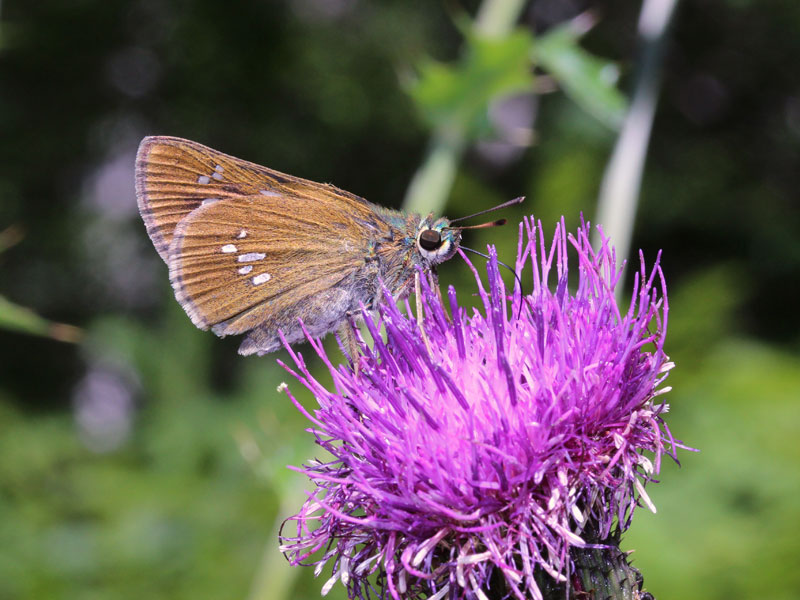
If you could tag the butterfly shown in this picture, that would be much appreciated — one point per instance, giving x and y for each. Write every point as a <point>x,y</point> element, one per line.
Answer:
<point>254,251</point>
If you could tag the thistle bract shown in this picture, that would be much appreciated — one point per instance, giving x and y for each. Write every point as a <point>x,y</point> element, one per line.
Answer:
<point>470,454</point>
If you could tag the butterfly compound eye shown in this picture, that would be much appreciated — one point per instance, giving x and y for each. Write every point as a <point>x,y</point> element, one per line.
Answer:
<point>430,239</point>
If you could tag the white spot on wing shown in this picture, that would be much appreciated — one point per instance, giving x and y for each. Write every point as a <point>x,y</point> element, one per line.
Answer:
<point>228,248</point>
<point>242,234</point>
<point>217,176</point>
<point>251,256</point>
<point>219,168</point>
<point>208,201</point>
<point>245,269</point>
<point>270,193</point>
<point>261,278</point>
<point>203,179</point>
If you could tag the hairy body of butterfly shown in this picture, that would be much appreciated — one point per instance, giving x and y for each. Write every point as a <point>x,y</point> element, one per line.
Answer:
<point>254,251</point>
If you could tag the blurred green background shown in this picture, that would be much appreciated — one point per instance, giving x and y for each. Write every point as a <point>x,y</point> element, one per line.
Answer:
<point>141,457</point>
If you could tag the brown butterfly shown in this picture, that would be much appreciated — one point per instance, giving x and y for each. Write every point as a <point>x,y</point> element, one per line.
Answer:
<point>253,251</point>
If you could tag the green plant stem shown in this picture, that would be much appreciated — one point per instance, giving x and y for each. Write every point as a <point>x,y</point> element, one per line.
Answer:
<point>431,184</point>
<point>434,179</point>
<point>495,18</point>
<point>275,579</point>
<point>18,318</point>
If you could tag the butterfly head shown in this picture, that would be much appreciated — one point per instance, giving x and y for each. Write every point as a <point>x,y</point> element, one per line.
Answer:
<point>436,240</point>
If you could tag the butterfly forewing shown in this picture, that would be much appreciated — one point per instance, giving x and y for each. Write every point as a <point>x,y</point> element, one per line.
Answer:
<point>175,176</point>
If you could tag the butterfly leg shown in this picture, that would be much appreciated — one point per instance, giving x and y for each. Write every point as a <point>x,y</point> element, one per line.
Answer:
<point>420,315</point>
<point>435,283</point>
<point>347,336</point>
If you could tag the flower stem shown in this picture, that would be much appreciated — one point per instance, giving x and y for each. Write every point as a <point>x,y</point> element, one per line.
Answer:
<point>601,572</point>
<point>606,573</point>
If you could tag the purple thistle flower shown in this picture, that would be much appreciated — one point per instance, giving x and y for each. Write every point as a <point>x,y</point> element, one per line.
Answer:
<point>481,462</point>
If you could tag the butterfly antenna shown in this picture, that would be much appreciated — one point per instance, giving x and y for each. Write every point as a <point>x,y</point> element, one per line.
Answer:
<point>500,262</point>
<point>483,212</point>
<point>497,223</point>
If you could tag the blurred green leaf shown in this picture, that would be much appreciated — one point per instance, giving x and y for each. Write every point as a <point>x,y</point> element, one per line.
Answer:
<point>19,318</point>
<point>724,521</point>
<point>705,307</point>
<point>457,98</point>
<point>590,81</point>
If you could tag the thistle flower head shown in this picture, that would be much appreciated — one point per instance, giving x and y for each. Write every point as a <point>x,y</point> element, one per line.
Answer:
<point>475,451</point>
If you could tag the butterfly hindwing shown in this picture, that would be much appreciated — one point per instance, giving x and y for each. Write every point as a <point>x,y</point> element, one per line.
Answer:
<point>262,263</point>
